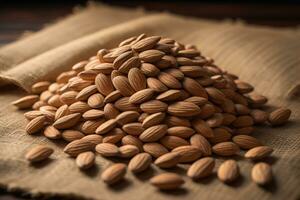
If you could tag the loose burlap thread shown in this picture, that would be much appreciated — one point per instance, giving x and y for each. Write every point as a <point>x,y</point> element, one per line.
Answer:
<point>266,57</point>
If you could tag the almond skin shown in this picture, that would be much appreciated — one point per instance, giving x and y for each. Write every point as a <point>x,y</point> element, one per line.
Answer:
<point>184,109</point>
<point>279,116</point>
<point>201,168</point>
<point>154,106</point>
<point>134,128</point>
<point>228,171</point>
<point>104,84</point>
<point>128,151</point>
<point>114,173</point>
<point>226,149</point>
<point>261,173</point>
<point>35,125</point>
<point>155,149</point>
<point>153,133</point>
<point>107,149</point>
<point>52,133</point>
<point>167,181</point>
<point>85,160</point>
<point>78,146</point>
<point>202,127</point>
<point>258,153</point>
<point>127,117</point>
<point>153,119</point>
<point>181,131</point>
<point>67,121</point>
<point>137,79</point>
<point>25,102</point>
<point>139,162</point>
<point>129,139</point>
<point>188,153</point>
<point>146,43</point>
<point>168,160</point>
<point>106,126</point>
<point>201,142</point>
<point>169,81</point>
<point>71,135</point>
<point>172,142</point>
<point>122,84</point>
<point>246,141</point>
<point>38,153</point>
<point>141,96</point>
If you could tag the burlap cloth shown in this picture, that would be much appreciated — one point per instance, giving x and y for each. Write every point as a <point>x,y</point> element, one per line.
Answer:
<point>268,58</point>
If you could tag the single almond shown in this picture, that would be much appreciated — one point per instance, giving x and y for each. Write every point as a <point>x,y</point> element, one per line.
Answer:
<point>155,149</point>
<point>38,104</point>
<point>40,87</point>
<point>226,149</point>
<point>129,64</point>
<point>246,141</point>
<point>55,101</point>
<point>104,68</point>
<point>259,116</point>
<point>167,181</point>
<point>141,96</point>
<point>261,173</point>
<point>177,121</point>
<point>279,116</point>
<point>85,93</point>
<point>114,173</point>
<point>131,140</point>
<point>140,162</point>
<point>194,88</point>
<point>215,120</point>
<point>153,119</point>
<point>215,95</point>
<point>127,117</point>
<point>122,84</point>
<point>258,153</point>
<point>110,111</point>
<point>85,160</point>
<point>104,84</point>
<point>52,133</point>
<point>220,135</point>
<point>193,71</point>
<point>168,160</point>
<point>154,106</point>
<point>151,56</point>
<point>61,111</point>
<point>96,101</point>
<point>25,102</point>
<point>107,149</point>
<point>93,114</point>
<point>228,171</point>
<point>113,96</point>
<point>156,85</point>
<point>134,128</point>
<point>188,153</point>
<point>149,69</point>
<point>35,125</point>
<point>68,97</point>
<point>32,114</point>
<point>169,80</point>
<point>169,95</point>
<point>201,168</point>
<point>123,104</point>
<point>94,139</point>
<point>202,127</point>
<point>79,107</point>
<point>106,126</point>
<point>78,146</point>
<point>184,109</point>
<point>67,121</point>
<point>90,126</point>
<point>181,131</point>
<point>146,43</point>
<point>153,133</point>
<point>121,59</point>
<point>128,151</point>
<point>38,153</point>
<point>201,142</point>
<point>172,142</point>
<point>137,79</point>
<point>71,135</point>
<point>174,71</point>
<point>114,136</point>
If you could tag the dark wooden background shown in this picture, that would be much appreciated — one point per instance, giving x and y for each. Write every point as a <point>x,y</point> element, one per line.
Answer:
<point>17,17</point>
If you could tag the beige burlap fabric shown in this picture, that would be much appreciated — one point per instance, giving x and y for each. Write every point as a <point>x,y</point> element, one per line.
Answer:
<point>266,57</point>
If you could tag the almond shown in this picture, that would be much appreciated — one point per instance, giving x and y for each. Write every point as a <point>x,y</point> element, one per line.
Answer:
<point>121,59</point>
<point>169,95</point>
<point>193,71</point>
<point>155,149</point>
<point>149,69</point>
<point>122,84</point>
<point>153,133</point>
<point>261,173</point>
<point>68,97</point>
<point>35,125</point>
<point>106,126</point>
<point>67,121</point>
<point>151,55</point>
<point>114,173</point>
<point>201,168</point>
<point>61,111</point>
<point>114,136</point>
<point>26,102</point>
<point>202,127</point>
<point>259,116</point>
<point>215,95</point>
<point>153,106</point>
<point>85,160</point>
<point>96,101</point>
<point>129,64</point>
<point>228,171</point>
<point>139,162</point>
<point>168,160</point>
<point>52,133</point>
<point>146,43</point>
<point>153,119</point>
<point>88,75</point>
<point>90,126</point>
<point>78,146</point>
<point>220,135</point>
<point>243,121</point>
<point>169,80</point>
<point>194,88</point>
<point>104,84</point>
<point>226,149</point>
<point>172,142</point>
<point>127,117</point>
<point>79,107</point>
<point>188,153</point>
<point>181,131</point>
<point>184,109</point>
<point>123,104</point>
<point>71,135</point>
<point>134,128</point>
<point>201,142</point>
<point>167,181</point>
<point>137,79</point>
<point>113,96</point>
<point>104,68</point>
<point>110,111</point>
<point>94,139</point>
<point>38,153</point>
<point>279,116</point>
<point>175,73</point>
<point>32,114</point>
<point>40,87</point>
<point>128,151</point>
<point>141,96</point>
<point>107,149</point>
<point>131,140</point>
<point>215,120</point>
<point>93,114</point>
<point>156,85</point>
<point>55,101</point>
<point>199,101</point>
<point>258,153</point>
<point>246,141</point>
<point>177,121</point>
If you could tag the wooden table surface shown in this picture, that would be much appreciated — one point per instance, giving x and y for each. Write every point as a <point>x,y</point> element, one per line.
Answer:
<point>20,17</point>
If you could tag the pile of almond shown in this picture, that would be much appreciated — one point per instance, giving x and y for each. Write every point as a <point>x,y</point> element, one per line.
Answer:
<point>152,100</point>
